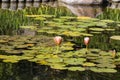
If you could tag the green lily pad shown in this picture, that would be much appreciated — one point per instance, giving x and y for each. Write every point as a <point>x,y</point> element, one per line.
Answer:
<point>106,70</point>
<point>106,65</point>
<point>76,69</point>
<point>89,64</point>
<point>67,17</point>
<point>3,41</point>
<point>32,16</point>
<point>108,21</point>
<point>40,18</point>
<point>29,27</point>
<point>58,66</point>
<point>95,50</point>
<point>97,29</point>
<point>71,33</point>
<point>117,37</point>
<point>101,24</point>
<point>10,61</point>
<point>104,53</point>
<point>47,16</point>
<point>74,61</point>
<point>3,56</point>
<point>86,34</point>
<point>41,56</point>
<point>11,52</point>
<point>54,60</point>
<point>110,29</point>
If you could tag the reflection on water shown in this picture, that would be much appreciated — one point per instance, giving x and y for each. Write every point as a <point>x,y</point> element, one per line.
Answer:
<point>78,10</point>
<point>30,71</point>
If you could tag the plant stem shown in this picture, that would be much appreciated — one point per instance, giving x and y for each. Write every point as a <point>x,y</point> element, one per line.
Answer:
<point>86,47</point>
<point>58,48</point>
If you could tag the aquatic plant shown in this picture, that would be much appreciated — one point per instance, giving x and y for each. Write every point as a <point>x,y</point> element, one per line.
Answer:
<point>42,50</point>
<point>58,41</point>
<point>110,14</point>
<point>86,41</point>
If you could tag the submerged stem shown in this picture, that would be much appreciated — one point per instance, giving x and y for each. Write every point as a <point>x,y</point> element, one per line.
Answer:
<point>86,47</point>
<point>58,49</point>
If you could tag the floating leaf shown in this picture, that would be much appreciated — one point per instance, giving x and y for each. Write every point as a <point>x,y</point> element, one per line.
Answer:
<point>76,69</point>
<point>47,16</point>
<point>106,65</point>
<point>96,29</point>
<point>40,18</point>
<point>32,16</point>
<point>117,37</point>
<point>58,66</point>
<point>54,60</point>
<point>74,61</point>
<point>83,17</point>
<point>88,64</point>
<point>108,21</point>
<point>11,61</point>
<point>3,41</point>
<point>107,70</point>
<point>29,27</point>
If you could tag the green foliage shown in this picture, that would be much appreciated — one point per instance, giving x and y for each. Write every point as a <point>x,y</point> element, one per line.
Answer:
<point>110,14</point>
<point>42,50</point>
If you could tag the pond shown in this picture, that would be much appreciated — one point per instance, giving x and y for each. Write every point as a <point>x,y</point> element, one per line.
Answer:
<point>45,41</point>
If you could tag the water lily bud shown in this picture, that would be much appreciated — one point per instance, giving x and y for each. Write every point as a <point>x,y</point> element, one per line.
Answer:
<point>58,40</point>
<point>86,40</point>
<point>113,53</point>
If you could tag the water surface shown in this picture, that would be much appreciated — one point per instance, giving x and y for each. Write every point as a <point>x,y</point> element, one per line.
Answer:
<point>25,70</point>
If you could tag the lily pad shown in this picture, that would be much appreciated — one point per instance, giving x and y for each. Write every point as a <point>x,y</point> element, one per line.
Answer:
<point>96,29</point>
<point>58,66</point>
<point>54,60</point>
<point>74,61</point>
<point>117,37</point>
<point>89,64</point>
<point>32,16</point>
<point>106,70</point>
<point>76,69</point>
<point>29,27</point>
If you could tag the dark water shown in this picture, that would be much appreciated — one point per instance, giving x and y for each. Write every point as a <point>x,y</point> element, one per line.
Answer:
<point>30,71</point>
<point>25,70</point>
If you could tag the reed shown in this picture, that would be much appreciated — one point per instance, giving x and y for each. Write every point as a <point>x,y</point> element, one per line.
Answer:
<point>112,14</point>
<point>11,20</point>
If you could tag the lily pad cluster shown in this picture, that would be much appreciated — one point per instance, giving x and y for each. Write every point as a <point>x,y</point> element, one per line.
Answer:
<point>72,26</point>
<point>42,50</point>
<point>26,47</point>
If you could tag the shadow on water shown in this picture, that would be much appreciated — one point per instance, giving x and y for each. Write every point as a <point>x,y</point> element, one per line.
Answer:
<point>30,71</point>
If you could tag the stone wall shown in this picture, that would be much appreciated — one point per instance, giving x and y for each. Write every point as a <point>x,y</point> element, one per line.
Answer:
<point>23,0</point>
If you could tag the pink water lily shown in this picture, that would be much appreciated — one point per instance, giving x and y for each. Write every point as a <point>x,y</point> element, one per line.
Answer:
<point>58,40</point>
<point>86,40</point>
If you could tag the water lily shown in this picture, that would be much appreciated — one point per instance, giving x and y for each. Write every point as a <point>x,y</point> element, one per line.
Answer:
<point>58,40</point>
<point>86,41</point>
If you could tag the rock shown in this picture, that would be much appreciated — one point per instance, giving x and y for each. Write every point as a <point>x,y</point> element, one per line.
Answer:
<point>84,2</point>
<point>115,0</point>
<point>114,5</point>
<point>84,10</point>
